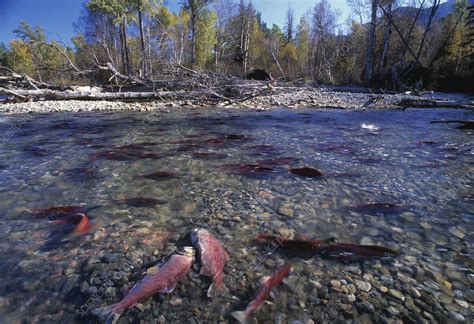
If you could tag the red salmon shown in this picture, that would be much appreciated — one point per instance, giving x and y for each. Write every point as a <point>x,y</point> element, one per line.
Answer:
<point>298,245</point>
<point>161,279</point>
<point>213,257</point>
<point>266,285</point>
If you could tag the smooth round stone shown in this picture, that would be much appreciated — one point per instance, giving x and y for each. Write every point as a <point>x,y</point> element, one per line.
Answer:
<point>462,303</point>
<point>414,292</point>
<point>363,286</point>
<point>366,241</point>
<point>396,294</point>
<point>458,318</point>
<point>393,311</point>
<point>456,231</point>
<point>349,298</point>
<point>336,284</point>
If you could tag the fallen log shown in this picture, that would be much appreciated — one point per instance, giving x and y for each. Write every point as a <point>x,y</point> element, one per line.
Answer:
<point>427,103</point>
<point>45,94</point>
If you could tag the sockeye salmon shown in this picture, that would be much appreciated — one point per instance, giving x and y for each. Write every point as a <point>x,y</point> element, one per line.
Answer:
<point>213,258</point>
<point>267,283</point>
<point>161,279</point>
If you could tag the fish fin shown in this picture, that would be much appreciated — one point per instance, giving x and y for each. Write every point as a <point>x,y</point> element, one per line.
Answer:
<point>240,316</point>
<point>214,290</point>
<point>168,290</point>
<point>263,280</point>
<point>108,313</point>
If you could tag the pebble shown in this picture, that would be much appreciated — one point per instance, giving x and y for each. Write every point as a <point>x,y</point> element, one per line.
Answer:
<point>458,318</point>
<point>366,241</point>
<point>363,286</point>
<point>287,210</point>
<point>393,311</point>
<point>414,292</point>
<point>176,301</point>
<point>336,283</point>
<point>349,298</point>
<point>396,294</point>
<point>462,303</point>
<point>456,231</point>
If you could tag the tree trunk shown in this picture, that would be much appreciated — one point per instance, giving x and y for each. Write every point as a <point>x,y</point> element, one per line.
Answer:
<point>125,47</point>
<point>193,39</point>
<point>143,59</point>
<point>122,51</point>
<point>369,60</point>
<point>386,41</point>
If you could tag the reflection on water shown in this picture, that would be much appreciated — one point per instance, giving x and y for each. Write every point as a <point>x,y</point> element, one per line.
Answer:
<point>389,178</point>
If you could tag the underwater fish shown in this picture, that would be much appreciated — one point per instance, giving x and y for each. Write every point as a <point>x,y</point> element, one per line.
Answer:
<point>58,212</point>
<point>328,247</point>
<point>349,249</point>
<point>213,257</point>
<point>160,175</point>
<point>69,228</point>
<point>159,279</point>
<point>267,283</point>
<point>306,172</point>
<point>80,222</point>
<point>248,169</point>
<point>298,245</point>
<point>142,202</point>
<point>378,207</point>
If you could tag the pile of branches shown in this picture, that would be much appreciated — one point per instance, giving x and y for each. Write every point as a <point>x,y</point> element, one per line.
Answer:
<point>175,83</point>
<point>180,84</point>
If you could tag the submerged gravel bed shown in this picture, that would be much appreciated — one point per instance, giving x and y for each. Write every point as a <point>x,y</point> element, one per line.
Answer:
<point>70,159</point>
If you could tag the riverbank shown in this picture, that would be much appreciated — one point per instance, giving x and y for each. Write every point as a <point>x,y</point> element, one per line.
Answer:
<point>265,97</point>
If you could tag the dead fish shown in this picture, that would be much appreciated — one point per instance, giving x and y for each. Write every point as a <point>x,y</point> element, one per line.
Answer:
<point>213,258</point>
<point>161,279</point>
<point>161,175</point>
<point>349,249</point>
<point>267,283</point>
<point>297,245</point>
<point>142,202</point>
<point>306,172</point>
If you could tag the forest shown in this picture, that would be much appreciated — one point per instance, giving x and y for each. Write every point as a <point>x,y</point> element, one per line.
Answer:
<point>387,44</point>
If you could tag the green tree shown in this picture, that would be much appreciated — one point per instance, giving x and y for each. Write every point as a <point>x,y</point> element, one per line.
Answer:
<point>195,9</point>
<point>120,11</point>
<point>206,37</point>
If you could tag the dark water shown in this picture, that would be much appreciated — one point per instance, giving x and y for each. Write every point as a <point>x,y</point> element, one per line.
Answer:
<point>207,177</point>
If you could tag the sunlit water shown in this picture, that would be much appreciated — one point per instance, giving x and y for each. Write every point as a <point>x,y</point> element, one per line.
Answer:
<point>61,159</point>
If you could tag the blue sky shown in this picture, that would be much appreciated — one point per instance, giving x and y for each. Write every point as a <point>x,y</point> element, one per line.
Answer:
<point>57,16</point>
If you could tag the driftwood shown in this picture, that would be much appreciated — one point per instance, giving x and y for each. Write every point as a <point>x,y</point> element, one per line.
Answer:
<point>428,103</point>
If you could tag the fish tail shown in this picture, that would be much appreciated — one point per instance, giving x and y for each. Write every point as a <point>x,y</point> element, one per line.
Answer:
<point>110,314</point>
<point>214,289</point>
<point>240,316</point>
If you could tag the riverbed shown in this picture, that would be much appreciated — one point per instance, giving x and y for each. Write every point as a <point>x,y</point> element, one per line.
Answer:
<point>146,180</point>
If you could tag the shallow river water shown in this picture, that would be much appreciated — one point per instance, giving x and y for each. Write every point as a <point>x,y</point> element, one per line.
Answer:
<point>227,170</point>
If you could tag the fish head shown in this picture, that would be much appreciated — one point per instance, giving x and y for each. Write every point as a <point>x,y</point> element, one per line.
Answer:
<point>187,251</point>
<point>197,233</point>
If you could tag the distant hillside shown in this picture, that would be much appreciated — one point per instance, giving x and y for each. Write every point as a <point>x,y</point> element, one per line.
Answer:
<point>444,10</point>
